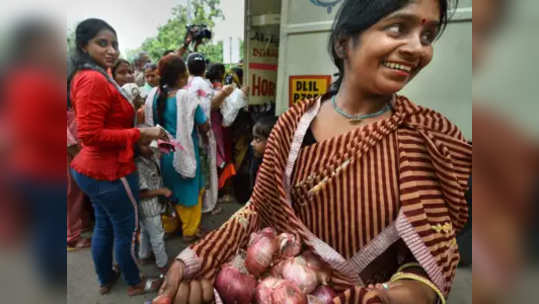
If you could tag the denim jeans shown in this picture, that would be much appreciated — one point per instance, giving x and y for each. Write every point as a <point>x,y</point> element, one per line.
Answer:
<point>115,226</point>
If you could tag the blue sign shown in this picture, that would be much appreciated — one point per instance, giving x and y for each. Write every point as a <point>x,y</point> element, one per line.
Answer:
<point>326,3</point>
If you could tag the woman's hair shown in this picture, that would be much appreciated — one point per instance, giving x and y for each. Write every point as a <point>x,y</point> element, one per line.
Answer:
<point>216,72</point>
<point>356,16</point>
<point>117,64</point>
<point>167,52</point>
<point>264,125</point>
<point>171,69</point>
<point>196,64</point>
<point>85,31</point>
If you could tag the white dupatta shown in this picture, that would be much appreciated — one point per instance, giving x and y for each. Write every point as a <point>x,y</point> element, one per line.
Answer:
<point>184,161</point>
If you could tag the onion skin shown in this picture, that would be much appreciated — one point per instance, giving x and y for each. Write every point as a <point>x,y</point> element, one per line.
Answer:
<point>264,290</point>
<point>324,294</point>
<point>267,232</point>
<point>287,292</point>
<point>297,271</point>
<point>289,246</point>
<point>260,255</point>
<point>235,287</point>
<point>207,291</point>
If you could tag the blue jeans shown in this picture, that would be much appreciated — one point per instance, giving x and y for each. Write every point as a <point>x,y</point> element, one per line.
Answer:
<point>115,226</point>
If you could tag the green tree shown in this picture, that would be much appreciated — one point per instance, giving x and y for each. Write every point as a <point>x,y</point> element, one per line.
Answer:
<point>170,36</point>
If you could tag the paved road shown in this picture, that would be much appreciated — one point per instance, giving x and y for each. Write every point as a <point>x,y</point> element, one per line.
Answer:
<point>82,287</point>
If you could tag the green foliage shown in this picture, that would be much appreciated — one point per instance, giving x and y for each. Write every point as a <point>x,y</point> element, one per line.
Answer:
<point>170,36</point>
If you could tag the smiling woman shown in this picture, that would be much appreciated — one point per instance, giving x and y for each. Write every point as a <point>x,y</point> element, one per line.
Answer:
<point>371,182</point>
<point>104,168</point>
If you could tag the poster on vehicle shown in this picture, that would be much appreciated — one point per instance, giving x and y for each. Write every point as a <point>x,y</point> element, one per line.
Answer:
<point>263,58</point>
<point>307,86</point>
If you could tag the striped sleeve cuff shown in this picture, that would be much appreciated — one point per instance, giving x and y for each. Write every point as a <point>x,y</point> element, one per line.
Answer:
<point>192,262</point>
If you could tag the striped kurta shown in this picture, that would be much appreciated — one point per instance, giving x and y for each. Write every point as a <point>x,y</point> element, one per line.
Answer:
<point>366,201</point>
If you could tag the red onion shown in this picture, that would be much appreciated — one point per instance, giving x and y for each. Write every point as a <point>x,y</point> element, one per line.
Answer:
<point>289,246</point>
<point>260,255</point>
<point>234,286</point>
<point>296,271</point>
<point>264,290</point>
<point>287,292</point>
<point>324,294</point>
<point>322,269</point>
<point>255,236</point>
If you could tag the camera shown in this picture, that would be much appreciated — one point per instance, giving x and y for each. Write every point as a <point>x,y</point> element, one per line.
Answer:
<point>199,32</point>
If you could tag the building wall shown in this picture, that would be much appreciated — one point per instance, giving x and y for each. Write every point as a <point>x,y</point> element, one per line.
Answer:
<point>445,85</point>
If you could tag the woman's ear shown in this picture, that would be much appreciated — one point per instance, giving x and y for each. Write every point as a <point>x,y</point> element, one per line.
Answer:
<point>340,48</point>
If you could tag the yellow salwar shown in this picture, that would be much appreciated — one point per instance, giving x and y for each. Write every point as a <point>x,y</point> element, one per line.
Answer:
<point>191,216</point>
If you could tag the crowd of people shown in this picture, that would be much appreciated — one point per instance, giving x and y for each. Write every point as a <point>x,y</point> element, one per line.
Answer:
<point>147,139</point>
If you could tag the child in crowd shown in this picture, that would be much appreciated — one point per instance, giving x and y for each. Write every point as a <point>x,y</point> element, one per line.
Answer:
<point>151,187</point>
<point>151,74</point>
<point>122,72</point>
<point>261,131</point>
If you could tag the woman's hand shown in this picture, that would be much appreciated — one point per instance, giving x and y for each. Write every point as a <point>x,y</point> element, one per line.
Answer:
<point>166,192</point>
<point>151,133</point>
<point>228,89</point>
<point>177,290</point>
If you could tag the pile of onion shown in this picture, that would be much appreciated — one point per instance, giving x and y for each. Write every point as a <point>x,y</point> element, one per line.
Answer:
<point>286,276</point>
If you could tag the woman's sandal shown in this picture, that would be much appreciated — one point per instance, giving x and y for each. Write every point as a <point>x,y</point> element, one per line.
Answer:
<point>145,286</point>
<point>79,244</point>
<point>107,287</point>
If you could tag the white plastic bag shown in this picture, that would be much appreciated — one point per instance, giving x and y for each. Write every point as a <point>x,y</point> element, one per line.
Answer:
<point>232,106</point>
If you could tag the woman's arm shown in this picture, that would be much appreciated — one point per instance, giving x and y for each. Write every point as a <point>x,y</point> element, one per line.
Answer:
<point>220,97</point>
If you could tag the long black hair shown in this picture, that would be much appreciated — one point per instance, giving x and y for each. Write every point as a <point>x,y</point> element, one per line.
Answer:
<point>356,16</point>
<point>171,67</point>
<point>85,31</point>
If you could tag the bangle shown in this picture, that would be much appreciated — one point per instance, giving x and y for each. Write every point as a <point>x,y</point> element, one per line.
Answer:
<point>410,276</point>
<point>408,265</point>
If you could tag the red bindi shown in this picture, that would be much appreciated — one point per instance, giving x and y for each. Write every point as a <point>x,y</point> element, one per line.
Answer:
<point>423,21</point>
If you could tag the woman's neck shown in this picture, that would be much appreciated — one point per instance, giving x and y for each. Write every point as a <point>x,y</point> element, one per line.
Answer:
<point>354,100</point>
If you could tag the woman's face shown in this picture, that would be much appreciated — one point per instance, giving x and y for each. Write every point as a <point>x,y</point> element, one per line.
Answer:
<point>103,48</point>
<point>391,52</point>
<point>124,74</point>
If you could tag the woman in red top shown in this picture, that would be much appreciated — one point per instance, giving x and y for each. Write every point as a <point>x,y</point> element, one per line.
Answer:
<point>104,168</point>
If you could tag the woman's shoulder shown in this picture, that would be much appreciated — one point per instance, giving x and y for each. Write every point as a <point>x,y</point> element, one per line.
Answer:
<point>427,118</point>
<point>291,117</point>
<point>90,78</point>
